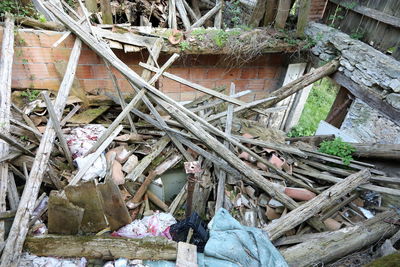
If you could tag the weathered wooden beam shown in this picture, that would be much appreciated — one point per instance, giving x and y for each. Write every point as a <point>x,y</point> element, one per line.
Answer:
<point>12,192</point>
<point>302,19</point>
<point>282,13</point>
<point>278,227</point>
<point>57,128</point>
<point>371,13</point>
<point>182,12</point>
<point>337,244</point>
<point>172,14</point>
<point>19,228</point>
<point>383,151</point>
<point>47,25</point>
<point>371,97</point>
<point>102,247</point>
<point>6,60</point>
<point>270,12</point>
<point>258,13</point>
<point>206,16</point>
<point>105,7</point>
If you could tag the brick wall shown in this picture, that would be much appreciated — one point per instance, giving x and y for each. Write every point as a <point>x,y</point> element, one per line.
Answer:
<point>35,67</point>
<point>317,9</point>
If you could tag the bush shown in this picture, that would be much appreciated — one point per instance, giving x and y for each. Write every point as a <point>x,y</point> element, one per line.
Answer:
<point>338,148</point>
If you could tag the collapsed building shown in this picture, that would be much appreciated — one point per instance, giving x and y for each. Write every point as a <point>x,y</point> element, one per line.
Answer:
<point>140,131</point>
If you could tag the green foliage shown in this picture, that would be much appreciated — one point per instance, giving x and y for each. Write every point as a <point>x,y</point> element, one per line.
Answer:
<point>30,95</point>
<point>357,35</point>
<point>317,107</point>
<point>310,43</point>
<point>15,7</point>
<point>42,18</point>
<point>184,45</point>
<point>199,33</point>
<point>349,5</point>
<point>220,37</point>
<point>338,148</point>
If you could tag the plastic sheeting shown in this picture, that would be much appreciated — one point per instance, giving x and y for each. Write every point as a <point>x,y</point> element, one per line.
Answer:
<point>232,244</point>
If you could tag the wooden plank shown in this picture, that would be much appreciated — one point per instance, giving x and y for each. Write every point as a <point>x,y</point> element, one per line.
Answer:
<point>19,228</point>
<point>102,247</point>
<point>270,11</point>
<point>278,227</point>
<point>6,60</point>
<point>172,14</point>
<point>57,128</point>
<point>86,196</point>
<point>12,192</point>
<point>113,205</point>
<point>372,13</point>
<point>257,13</point>
<point>183,14</point>
<point>64,217</point>
<point>294,72</point>
<point>218,16</point>
<point>206,16</point>
<point>369,96</point>
<point>187,255</point>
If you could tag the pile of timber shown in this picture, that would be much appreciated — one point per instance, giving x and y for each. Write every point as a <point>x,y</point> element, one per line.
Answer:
<point>301,198</point>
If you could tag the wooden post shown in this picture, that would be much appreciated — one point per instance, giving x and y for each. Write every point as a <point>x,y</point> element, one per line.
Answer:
<point>106,11</point>
<point>182,12</point>
<point>206,16</point>
<point>282,13</point>
<point>258,13</point>
<point>302,19</point>
<point>270,12</point>
<point>6,60</point>
<point>91,5</point>
<point>172,14</point>
<point>19,228</point>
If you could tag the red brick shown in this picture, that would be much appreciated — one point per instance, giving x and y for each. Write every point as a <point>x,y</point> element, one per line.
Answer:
<point>255,85</point>
<point>181,72</point>
<point>248,98</point>
<point>198,74</point>
<point>89,57</point>
<point>85,72</point>
<point>170,86</point>
<point>249,73</point>
<point>231,74</point>
<point>207,84</point>
<point>215,73</point>
<point>100,72</point>
<point>267,72</point>
<point>241,85</point>
<point>185,88</point>
<point>93,86</point>
<point>225,83</point>
<point>125,86</point>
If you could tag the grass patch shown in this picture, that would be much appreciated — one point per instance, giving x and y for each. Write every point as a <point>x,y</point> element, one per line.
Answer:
<point>317,107</point>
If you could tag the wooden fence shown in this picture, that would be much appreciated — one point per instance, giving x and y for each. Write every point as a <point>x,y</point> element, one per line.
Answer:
<point>376,22</point>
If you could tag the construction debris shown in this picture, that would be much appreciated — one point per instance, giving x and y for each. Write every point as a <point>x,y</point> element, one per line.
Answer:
<point>102,170</point>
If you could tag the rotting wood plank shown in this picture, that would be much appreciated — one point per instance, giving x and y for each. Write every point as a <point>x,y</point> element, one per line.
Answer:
<point>172,14</point>
<point>12,192</point>
<point>282,13</point>
<point>278,227</point>
<point>19,228</point>
<point>383,151</point>
<point>6,60</point>
<point>341,242</point>
<point>206,16</point>
<point>304,11</point>
<point>102,247</point>
<point>183,14</point>
<point>57,128</point>
<point>219,203</point>
<point>105,7</point>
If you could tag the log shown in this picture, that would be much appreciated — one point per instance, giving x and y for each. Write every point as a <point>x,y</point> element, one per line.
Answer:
<point>270,12</point>
<point>48,25</point>
<point>6,60</point>
<point>315,140</point>
<point>105,7</point>
<point>337,244</point>
<point>102,247</point>
<point>282,13</point>
<point>382,151</point>
<point>278,227</point>
<point>172,14</point>
<point>302,19</point>
<point>258,13</point>
<point>19,228</point>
